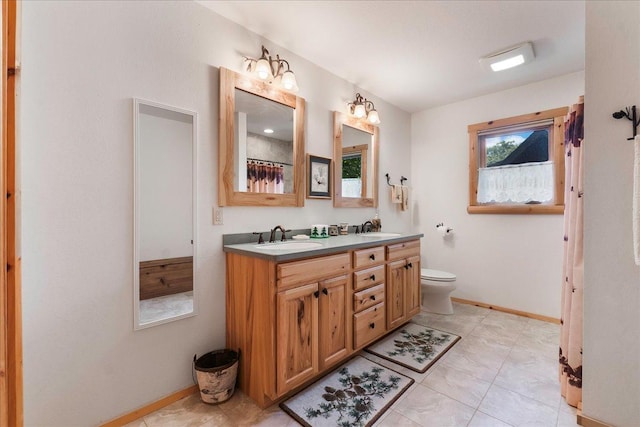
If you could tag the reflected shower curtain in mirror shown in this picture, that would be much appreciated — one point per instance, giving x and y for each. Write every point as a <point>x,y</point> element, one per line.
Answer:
<point>265,177</point>
<point>573,269</point>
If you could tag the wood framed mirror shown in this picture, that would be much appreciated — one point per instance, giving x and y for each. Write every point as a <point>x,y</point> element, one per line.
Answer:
<point>355,153</point>
<point>261,143</point>
<point>165,192</point>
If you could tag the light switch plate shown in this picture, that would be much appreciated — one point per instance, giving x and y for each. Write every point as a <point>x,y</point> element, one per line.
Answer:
<point>217,216</point>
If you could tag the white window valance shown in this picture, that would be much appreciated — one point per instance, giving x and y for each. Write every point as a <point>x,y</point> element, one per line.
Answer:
<point>351,187</point>
<point>522,183</point>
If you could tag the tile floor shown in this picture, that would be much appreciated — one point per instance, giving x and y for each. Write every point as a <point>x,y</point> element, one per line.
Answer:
<point>159,308</point>
<point>502,373</point>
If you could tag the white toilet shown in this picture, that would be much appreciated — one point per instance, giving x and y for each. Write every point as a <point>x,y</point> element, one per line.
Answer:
<point>436,287</point>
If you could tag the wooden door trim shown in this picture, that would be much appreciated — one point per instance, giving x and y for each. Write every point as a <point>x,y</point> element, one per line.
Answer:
<point>11,399</point>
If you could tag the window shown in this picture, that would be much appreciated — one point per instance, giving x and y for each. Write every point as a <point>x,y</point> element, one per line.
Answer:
<point>516,165</point>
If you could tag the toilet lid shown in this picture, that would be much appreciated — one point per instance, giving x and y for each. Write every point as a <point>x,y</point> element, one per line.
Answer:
<point>437,275</point>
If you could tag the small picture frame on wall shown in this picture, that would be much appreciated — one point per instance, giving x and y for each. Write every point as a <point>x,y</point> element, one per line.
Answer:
<point>318,177</point>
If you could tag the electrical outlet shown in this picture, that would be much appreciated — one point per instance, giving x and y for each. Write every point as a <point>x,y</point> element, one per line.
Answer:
<point>217,216</point>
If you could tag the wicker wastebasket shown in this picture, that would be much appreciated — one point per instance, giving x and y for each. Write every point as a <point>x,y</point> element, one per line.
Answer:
<point>216,373</point>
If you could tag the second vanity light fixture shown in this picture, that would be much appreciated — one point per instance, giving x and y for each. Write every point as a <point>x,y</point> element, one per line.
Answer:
<point>272,69</point>
<point>362,107</point>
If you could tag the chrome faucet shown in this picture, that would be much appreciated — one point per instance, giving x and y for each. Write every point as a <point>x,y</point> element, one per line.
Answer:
<point>272,236</point>
<point>363,227</point>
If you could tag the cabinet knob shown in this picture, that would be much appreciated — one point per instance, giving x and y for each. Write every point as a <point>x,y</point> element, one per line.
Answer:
<point>372,257</point>
<point>325,291</point>
<point>372,277</point>
<point>409,265</point>
<point>372,297</point>
<point>316,294</point>
<point>372,325</point>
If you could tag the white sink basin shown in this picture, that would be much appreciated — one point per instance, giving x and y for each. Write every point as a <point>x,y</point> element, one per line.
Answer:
<point>380,234</point>
<point>288,246</point>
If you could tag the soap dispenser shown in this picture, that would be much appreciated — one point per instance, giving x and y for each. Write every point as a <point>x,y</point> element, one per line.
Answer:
<point>376,224</point>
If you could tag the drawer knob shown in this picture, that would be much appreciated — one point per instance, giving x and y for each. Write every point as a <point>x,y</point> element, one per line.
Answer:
<point>372,325</point>
<point>373,277</point>
<point>372,297</point>
<point>372,257</point>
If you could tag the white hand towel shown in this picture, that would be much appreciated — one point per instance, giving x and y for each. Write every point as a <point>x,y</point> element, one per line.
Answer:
<point>636,199</point>
<point>396,194</point>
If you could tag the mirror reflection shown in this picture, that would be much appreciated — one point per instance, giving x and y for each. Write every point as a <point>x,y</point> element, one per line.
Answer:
<point>263,145</point>
<point>164,213</point>
<point>258,168</point>
<point>355,159</point>
<point>356,173</point>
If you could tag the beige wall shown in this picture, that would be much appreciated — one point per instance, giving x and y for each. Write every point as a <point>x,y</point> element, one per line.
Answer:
<point>611,369</point>
<point>82,64</point>
<point>512,261</point>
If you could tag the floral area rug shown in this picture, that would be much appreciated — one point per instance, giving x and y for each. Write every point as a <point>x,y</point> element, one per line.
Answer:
<point>414,346</point>
<point>354,395</point>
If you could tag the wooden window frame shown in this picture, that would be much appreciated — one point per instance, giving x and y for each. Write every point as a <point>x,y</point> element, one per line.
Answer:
<point>556,154</point>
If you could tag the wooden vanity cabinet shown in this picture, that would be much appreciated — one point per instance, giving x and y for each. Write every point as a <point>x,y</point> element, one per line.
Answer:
<point>312,333</point>
<point>369,296</point>
<point>293,321</point>
<point>403,282</point>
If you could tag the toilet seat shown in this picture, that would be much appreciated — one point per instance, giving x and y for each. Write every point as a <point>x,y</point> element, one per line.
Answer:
<point>436,275</point>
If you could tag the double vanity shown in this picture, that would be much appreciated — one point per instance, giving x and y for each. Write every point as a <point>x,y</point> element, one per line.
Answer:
<point>295,309</point>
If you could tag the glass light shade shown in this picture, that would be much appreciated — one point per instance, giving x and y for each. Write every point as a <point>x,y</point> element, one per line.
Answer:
<point>373,117</point>
<point>359,111</point>
<point>508,63</point>
<point>289,81</point>
<point>263,69</point>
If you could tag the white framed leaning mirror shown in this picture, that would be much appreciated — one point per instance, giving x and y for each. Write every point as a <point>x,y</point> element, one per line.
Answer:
<point>355,154</point>
<point>164,213</point>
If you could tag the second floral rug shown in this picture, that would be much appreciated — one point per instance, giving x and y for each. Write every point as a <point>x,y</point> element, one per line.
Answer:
<point>414,346</point>
<point>356,394</point>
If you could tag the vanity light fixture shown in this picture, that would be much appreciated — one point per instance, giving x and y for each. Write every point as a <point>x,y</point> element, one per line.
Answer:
<point>272,70</point>
<point>509,58</point>
<point>362,107</point>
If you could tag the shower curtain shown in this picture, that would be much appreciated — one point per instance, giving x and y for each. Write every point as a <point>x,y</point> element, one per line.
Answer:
<point>573,269</point>
<point>265,177</point>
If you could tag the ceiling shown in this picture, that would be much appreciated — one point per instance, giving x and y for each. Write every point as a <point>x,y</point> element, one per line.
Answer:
<point>419,54</point>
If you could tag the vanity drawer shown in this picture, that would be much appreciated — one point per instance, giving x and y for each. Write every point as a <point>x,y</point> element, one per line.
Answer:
<point>368,325</point>
<point>368,297</point>
<point>296,272</point>
<point>403,250</point>
<point>366,257</point>
<point>365,278</point>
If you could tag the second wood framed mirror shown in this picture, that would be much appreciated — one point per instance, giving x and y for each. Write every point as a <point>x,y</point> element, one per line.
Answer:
<point>355,154</point>
<point>261,144</point>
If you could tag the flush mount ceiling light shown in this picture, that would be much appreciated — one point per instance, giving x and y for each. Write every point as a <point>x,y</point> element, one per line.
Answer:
<point>362,107</point>
<point>509,58</point>
<point>272,70</point>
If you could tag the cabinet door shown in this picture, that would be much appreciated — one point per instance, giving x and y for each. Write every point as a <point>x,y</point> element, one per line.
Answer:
<point>395,293</point>
<point>297,341</point>
<point>412,287</point>
<point>332,320</point>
